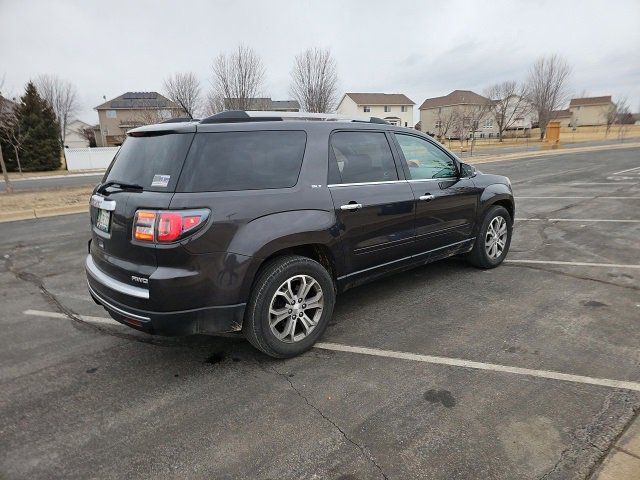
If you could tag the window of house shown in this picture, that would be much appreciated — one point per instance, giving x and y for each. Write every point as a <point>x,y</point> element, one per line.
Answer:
<point>438,124</point>
<point>403,108</point>
<point>367,108</point>
<point>111,114</point>
<point>488,123</point>
<point>387,108</point>
<point>424,159</point>
<point>360,157</point>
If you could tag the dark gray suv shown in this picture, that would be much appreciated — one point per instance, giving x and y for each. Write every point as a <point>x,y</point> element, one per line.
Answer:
<point>252,222</point>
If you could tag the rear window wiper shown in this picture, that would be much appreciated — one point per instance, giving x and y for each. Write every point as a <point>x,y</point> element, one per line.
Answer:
<point>120,184</point>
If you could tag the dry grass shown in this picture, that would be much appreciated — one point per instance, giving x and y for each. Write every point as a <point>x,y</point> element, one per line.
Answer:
<point>18,201</point>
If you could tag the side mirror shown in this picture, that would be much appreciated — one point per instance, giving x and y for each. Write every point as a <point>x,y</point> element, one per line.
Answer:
<point>467,171</point>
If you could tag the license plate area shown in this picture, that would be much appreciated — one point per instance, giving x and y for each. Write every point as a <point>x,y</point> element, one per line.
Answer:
<point>103,220</point>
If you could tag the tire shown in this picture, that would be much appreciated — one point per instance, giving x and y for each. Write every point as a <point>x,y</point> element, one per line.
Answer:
<point>479,256</point>
<point>272,290</point>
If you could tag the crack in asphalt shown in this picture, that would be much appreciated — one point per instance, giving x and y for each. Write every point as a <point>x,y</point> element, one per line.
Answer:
<point>583,444</point>
<point>364,451</point>
<point>36,280</point>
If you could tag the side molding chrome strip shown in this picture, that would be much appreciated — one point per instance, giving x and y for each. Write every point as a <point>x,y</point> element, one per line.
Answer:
<point>405,258</point>
<point>119,310</point>
<point>112,283</point>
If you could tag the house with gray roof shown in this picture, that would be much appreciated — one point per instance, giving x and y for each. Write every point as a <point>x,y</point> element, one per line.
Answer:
<point>130,110</point>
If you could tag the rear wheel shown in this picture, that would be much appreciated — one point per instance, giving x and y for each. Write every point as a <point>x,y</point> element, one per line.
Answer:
<point>290,306</point>
<point>493,240</point>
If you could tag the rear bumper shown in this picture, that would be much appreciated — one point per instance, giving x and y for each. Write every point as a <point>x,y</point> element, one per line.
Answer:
<point>209,320</point>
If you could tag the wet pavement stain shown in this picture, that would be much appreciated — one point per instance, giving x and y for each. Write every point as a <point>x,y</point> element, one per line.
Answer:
<point>92,370</point>
<point>215,358</point>
<point>440,396</point>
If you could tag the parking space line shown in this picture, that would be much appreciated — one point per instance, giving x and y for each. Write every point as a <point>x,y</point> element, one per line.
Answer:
<point>599,183</point>
<point>86,318</point>
<point>625,171</point>
<point>579,198</point>
<point>458,362</point>
<point>611,220</point>
<point>454,362</point>
<point>574,264</point>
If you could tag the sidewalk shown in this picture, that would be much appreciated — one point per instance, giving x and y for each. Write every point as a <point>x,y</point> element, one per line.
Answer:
<point>16,177</point>
<point>623,461</point>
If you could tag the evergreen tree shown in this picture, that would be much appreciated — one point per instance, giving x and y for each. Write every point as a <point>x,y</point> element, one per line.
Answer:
<point>37,122</point>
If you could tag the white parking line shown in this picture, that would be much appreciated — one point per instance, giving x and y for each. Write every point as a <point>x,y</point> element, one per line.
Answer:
<point>625,171</point>
<point>575,220</point>
<point>574,264</point>
<point>600,183</point>
<point>579,198</point>
<point>86,318</point>
<point>458,362</point>
<point>454,362</point>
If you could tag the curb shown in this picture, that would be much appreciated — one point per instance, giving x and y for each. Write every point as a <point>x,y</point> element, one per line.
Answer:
<point>31,213</point>
<point>546,153</point>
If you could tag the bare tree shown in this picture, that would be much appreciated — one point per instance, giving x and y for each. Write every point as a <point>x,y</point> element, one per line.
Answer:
<point>7,184</point>
<point>509,104</point>
<point>611,115</point>
<point>445,122</point>
<point>622,107</point>
<point>61,96</point>
<point>547,87</point>
<point>314,80</point>
<point>11,132</point>
<point>89,134</point>
<point>238,77</point>
<point>467,119</point>
<point>184,89</point>
<point>213,104</point>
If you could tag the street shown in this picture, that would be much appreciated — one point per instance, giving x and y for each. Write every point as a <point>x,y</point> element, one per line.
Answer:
<point>526,371</point>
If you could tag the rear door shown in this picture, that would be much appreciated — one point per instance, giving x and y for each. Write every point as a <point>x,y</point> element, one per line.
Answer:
<point>373,203</point>
<point>445,203</point>
<point>152,163</point>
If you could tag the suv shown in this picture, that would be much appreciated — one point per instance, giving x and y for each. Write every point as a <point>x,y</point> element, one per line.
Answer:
<point>252,222</point>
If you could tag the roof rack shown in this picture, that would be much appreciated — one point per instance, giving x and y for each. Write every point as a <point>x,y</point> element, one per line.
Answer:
<point>181,120</point>
<point>236,116</point>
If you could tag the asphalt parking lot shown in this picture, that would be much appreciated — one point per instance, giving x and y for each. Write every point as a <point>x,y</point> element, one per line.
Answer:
<point>531,370</point>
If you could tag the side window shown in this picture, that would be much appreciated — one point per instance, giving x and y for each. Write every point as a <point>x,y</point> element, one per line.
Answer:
<point>252,160</point>
<point>424,159</point>
<point>363,157</point>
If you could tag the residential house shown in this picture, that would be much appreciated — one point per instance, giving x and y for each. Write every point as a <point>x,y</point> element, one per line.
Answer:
<point>562,116</point>
<point>519,113</point>
<point>458,115</point>
<point>395,108</point>
<point>130,110</point>
<point>590,110</point>
<point>7,106</point>
<point>264,104</point>
<point>74,137</point>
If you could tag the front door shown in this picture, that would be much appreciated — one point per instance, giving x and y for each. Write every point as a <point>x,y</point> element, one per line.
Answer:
<point>373,205</point>
<point>445,203</point>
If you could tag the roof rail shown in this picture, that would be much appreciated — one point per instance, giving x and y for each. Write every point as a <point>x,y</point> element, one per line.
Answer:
<point>181,120</point>
<point>234,116</point>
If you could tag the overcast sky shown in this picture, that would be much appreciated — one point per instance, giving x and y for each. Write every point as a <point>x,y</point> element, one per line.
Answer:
<point>422,49</point>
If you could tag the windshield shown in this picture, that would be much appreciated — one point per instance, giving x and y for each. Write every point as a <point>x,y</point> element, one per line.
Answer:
<point>153,162</point>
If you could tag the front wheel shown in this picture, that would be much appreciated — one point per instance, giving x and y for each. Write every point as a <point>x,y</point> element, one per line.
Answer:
<point>290,306</point>
<point>493,240</point>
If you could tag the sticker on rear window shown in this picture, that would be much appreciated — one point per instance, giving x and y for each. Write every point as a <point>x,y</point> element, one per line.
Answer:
<point>160,180</point>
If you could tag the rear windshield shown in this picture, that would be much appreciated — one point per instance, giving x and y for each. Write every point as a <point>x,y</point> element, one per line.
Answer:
<point>153,162</point>
<point>243,161</point>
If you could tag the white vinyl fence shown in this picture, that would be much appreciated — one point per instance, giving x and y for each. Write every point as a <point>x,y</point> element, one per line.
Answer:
<point>97,158</point>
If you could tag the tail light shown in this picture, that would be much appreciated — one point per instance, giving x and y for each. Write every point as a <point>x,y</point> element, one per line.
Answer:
<point>166,226</point>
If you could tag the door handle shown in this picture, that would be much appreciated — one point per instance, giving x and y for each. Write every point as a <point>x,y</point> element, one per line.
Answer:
<point>427,197</point>
<point>351,206</point>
